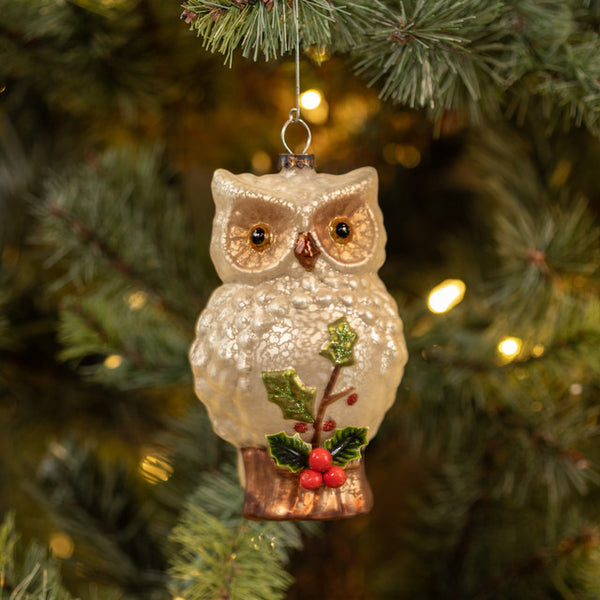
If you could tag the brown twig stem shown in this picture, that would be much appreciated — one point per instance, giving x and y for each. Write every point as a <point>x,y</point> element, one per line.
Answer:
<point>327,400</point>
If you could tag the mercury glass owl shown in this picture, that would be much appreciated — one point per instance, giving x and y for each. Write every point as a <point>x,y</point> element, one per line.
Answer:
<point>301,346</point>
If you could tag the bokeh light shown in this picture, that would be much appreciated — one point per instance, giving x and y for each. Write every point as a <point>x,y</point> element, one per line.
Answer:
<point>155,468</point>
<point>113,361</point>
<point>310,99</point>
<point>446,295</point>
<point>61,545</point>
<point>509,347</point>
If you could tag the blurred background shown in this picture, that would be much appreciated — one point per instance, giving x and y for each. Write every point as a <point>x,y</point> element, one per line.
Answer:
<point>112,120</point>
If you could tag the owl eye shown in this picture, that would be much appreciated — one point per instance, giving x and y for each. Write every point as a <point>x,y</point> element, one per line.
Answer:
<point>259,236</point>
<point>340,230</point>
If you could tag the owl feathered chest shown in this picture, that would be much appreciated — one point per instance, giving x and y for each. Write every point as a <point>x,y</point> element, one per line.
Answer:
<point>281,321</point>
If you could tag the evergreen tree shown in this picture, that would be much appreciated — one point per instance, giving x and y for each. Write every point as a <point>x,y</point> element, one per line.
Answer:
<point>482,118</point>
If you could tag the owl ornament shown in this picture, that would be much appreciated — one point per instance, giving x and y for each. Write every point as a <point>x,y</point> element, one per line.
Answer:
<point>298,354</point>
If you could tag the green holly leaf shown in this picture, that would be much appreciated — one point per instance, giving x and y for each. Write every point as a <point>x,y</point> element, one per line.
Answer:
<point>288,451</point>
<point>345,444</point>
<point>285,389</point>
<point>341,340</point>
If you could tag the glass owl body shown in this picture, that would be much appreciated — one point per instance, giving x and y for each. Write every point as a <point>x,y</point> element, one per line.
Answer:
<point>302,345</point>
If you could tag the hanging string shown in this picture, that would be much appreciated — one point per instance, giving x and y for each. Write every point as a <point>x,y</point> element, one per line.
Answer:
<point>297,24</point>
<point>294,115</point>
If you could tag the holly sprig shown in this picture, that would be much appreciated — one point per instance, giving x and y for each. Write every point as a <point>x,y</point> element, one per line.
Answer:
<point>288,451</point>
<point>286,389</point>
<point>344,446</point>
<point>297,400</point>
<point>339,348</point>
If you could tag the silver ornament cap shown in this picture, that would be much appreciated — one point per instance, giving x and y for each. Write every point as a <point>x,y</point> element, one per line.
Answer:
<point>296,161</point>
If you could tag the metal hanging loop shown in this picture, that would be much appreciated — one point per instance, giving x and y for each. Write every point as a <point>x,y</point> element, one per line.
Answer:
<point>293,118</point>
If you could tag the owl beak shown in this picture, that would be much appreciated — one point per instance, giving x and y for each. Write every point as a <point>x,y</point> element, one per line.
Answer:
<point>306,250</point>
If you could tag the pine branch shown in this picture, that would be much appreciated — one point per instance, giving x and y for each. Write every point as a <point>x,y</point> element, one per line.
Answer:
<point>265,28</point>
<point>193,450</point>
<point>32,575</point>
<point>101,506</point>
<point>523,410</point>
<point>585,540</point>
<point>471,57</point>
<point>150,348</point>
<point>116,229</point>
<point>561,64</point>
<point>119,212</point>
<point>224,556</point>
<point>437,56</point>
<point>92,239</point>
<point>105,31</point>
<point>547,243</point>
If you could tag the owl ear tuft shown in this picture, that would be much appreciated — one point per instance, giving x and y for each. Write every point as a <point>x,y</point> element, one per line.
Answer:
<point>367,179</point>
<point>224,185</point>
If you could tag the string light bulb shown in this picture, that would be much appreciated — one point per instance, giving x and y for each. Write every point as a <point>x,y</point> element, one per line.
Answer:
<point>576,389</point>
<point>155,468</point>
<point>446,295</point>
<point>509,347</point>
<point>538,350</point>
<point>113,361</point>
<point>311,99</point>
<point>137,300</point>
<point>61,545</point>
<point>314,106</point>
<point>261,162</point>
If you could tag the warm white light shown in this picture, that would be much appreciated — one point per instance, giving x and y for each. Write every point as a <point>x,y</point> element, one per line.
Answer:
<point>538,350</point>
<point>509,347</point>
<point>310,99</point>
<point>576,389</point>
<point>61,545</point>
<point>113,361</point>
<point>404,154</point>
<point>261,162</point>
<point>155,468</point>
<point>137,300</point>
<point>446,295</point>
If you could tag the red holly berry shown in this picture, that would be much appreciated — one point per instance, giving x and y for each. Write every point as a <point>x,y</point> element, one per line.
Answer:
<point>301,427</point>
<point>310,479</point>
<point>352,398</point>
<point>334,477</point>
<point>329,425</point>
<point>320,459</point>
